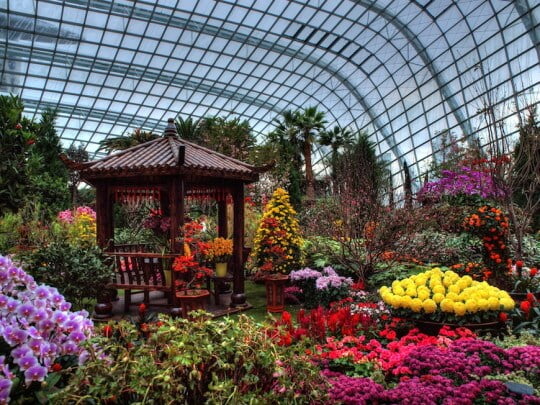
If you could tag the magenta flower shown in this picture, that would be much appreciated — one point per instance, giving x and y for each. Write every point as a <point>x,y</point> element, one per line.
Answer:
<point>26,362</point>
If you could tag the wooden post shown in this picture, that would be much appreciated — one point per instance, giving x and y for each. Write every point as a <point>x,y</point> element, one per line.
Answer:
<point>238,297</point>
<point>104,216</point>
<point>176,197</point>
<point>223,230</point>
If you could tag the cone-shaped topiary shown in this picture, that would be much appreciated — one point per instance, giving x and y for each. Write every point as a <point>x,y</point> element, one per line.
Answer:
<point>277,244</point>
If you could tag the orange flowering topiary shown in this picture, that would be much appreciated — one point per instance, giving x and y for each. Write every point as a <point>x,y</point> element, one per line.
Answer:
<point>491,225</point>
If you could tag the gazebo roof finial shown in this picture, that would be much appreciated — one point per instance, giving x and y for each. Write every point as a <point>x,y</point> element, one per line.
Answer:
<point>171,129</point>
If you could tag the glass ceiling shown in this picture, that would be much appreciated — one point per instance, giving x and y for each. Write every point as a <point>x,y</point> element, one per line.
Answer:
<point>404,71</point>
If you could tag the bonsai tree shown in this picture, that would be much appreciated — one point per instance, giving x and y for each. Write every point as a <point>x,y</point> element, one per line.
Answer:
<point>277,244</point>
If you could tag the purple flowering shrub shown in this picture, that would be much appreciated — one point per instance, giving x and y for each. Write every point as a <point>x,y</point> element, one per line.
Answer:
<point>464,182</point>
<point>320,288</point>
<point>38,332</point>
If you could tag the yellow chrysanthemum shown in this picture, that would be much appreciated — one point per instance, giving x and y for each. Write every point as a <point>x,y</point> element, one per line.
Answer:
<point>459,308</point>
<point>447,305</point>
<point>429,306</point>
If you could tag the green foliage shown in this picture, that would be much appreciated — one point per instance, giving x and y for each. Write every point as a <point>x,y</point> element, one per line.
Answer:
<point>320,252</point>
<point>9,231</point>
<point>79,273</point>
<point>124,142</point>
<point>231,137</point>
<point>31,169</point>
<point>196,361</point>
<point>430,246</point>
<point>386,274</point>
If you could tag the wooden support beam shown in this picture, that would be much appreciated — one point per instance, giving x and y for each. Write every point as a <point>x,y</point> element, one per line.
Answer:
<point>238,297</point>
<point>176,197</point>
<point>104,216</point>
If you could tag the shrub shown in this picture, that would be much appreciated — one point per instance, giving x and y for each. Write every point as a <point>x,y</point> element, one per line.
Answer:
<point>198,361</point>
<point>39,336</point>
<point>79,273</point>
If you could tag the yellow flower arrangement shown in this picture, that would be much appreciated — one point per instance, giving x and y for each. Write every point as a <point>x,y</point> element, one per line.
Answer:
<point>446,297</point>
<point>219,250</point>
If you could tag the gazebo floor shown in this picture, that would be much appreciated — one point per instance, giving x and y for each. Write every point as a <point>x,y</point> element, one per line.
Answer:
<point>158,304</point>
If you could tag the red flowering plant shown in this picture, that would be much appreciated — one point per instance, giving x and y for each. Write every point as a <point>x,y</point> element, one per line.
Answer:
<point>525,279</point>
<point>526,317</point>
<point>193,272</point>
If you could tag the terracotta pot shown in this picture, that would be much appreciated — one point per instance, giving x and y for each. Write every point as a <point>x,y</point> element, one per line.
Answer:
<point>192,300</point>
<point>275,299</point>
<point>433,328</point>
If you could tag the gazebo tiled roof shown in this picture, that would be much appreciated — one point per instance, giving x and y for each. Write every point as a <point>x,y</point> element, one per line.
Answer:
<point>167,155</point>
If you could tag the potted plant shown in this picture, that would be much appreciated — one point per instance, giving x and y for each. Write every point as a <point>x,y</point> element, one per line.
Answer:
<point>190,295</point>
<point>219,251</point>
<point>525,280</point>
<point>436,298</point>
<point>277,247</point>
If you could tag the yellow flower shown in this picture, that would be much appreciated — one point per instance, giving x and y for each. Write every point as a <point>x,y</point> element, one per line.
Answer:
<point>416,305</point>
<point>459,308</point>
<point>438,297</point>
<point>429,306</point>
<point>507,303</point>
<point>447,305</point>
<point>494,304</point>
<point>439,289</point>
<point>471,305</point>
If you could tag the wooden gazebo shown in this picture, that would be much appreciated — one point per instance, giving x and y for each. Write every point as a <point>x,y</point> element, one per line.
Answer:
<point>172,170</point>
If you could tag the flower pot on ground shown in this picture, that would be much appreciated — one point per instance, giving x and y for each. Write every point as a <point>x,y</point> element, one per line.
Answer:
<point>192,300</point>
<point>275,298</point>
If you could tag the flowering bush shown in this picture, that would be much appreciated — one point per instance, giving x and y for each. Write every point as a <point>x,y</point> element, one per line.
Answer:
<point>320,288</point>
<point>465,181</point>
<point>219,250</point>
<point>277,244</point>
<point>525,279</point>
<point>38,333</point>
<point>80,225</point>
<point>491,225</point>
<point>194,273</point>
<point>196,361</point>
<point>444,296</point>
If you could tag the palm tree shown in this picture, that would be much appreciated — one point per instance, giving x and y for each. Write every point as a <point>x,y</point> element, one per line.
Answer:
<point>309,122</point>
<point>124,142</point>
<point>188,129</point>
<point>336,138</point>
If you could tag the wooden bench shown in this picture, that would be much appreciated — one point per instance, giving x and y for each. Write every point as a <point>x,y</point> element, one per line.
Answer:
<point>142,272</point>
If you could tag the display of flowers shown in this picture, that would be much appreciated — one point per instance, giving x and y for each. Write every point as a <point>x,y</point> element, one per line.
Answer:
<point>444,296</point>
<point>38,333</point>
<point>80,225</point>
<point>277,244</point>
<point>321,287</point>
<point>219,250</point>
<point>464,181</point>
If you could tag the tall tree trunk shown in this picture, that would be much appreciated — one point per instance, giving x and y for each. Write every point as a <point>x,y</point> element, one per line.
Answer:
<point>310,181</point>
